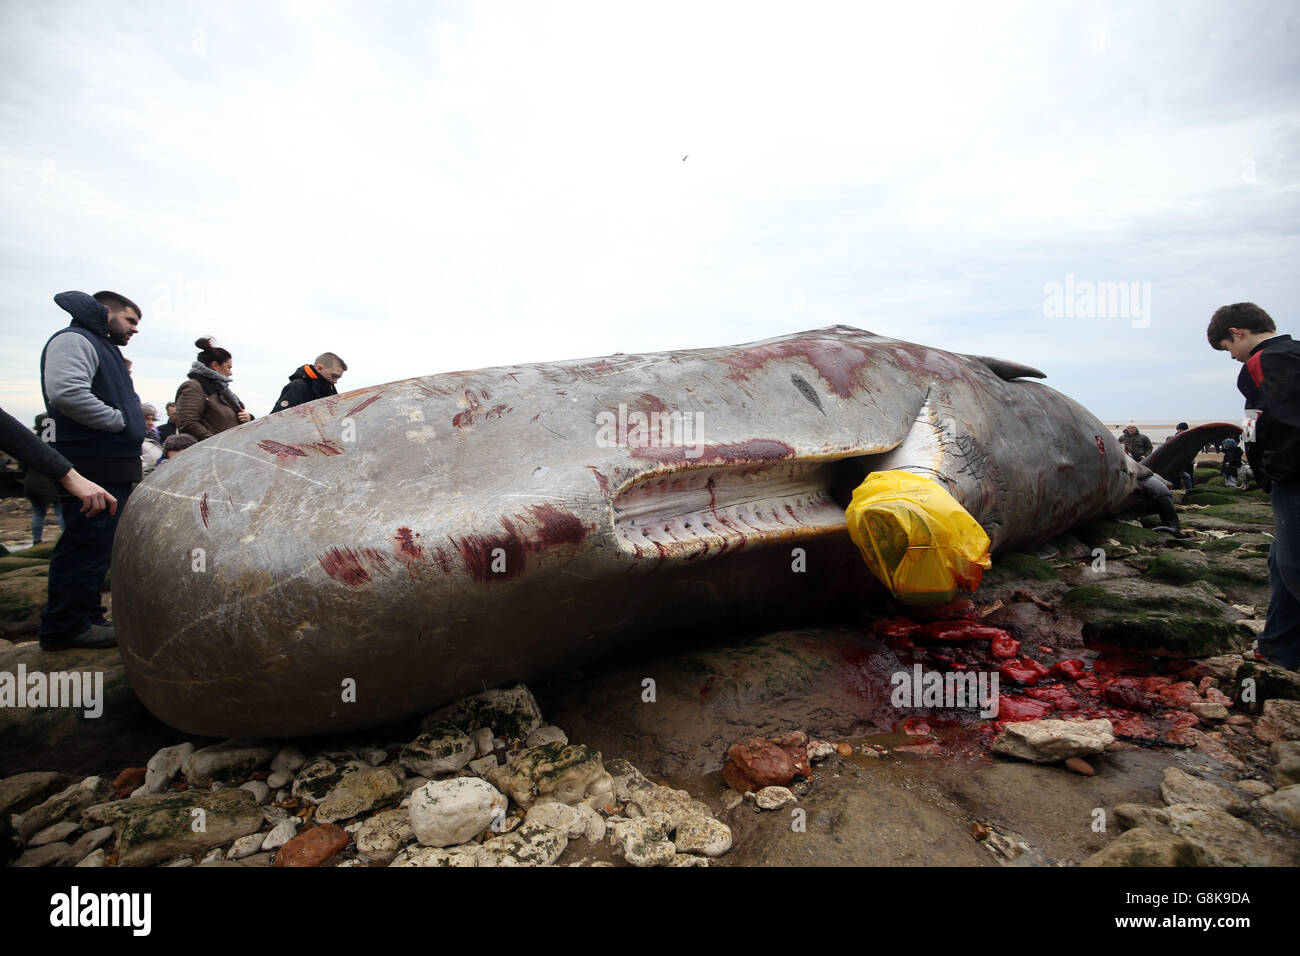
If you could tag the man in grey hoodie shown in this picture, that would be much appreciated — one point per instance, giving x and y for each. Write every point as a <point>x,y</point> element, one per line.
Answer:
<point>98,427</point>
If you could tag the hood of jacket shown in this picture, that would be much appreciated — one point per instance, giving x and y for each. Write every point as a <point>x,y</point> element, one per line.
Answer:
<point>307,373</point>
<point>85,311</point>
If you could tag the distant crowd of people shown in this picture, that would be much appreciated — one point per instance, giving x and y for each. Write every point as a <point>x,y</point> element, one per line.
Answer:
<point>1236,472</point>
<point>96,440</point>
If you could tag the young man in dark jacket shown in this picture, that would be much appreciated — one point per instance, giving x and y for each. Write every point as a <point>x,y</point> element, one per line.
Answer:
<point>310,382</point>
<point>98,427</point>
<point>1270,382</point>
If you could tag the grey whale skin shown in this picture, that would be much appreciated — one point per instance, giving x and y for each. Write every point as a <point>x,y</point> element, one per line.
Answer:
<point>431,537</point>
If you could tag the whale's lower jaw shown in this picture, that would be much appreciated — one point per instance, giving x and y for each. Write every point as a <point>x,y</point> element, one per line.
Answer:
<point>691,513</point>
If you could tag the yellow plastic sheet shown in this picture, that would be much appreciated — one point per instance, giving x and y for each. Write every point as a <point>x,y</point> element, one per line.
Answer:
<point>916,538</point>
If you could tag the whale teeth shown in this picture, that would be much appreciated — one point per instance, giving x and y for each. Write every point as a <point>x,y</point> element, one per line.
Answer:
<point>691,512</point>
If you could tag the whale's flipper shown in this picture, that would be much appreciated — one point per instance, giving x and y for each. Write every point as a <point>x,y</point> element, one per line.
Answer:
<point>1007,370</point>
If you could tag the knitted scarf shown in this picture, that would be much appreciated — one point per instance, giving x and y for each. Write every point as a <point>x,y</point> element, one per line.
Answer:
<point>222,381</point>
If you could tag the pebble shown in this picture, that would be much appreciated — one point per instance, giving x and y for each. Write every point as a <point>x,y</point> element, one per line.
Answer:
<point>359,793</point>
<point>571,773</point>
<point>595,829</point>
<point>97,858</point>
<point>382,835</point>
<point>52,854</point>
<point>773,798</point>
<point>1047,741</point>
<point>314,780</point>
<point>468,855</point>
<point>289,760</point>
<point>63,805</point>
<point>1177,787</point>
<point>1079,765</point>
<point>483,741</point>
<point>131,777</point>
<point>24,790</point>
<point>697,833</point>
<point>559,816</point>
<point>279,779</point>
<point>91,841</point>
<point>246,846</point>
<point>443,748</point>
<point>260,791</point>
<point>281,833</point>
<point>313,847</point>
<point>531,845</point>
<point>449,812</point>
<point>54,834</point>
<point>1209,712</point>
<point>1285,803</point>
<point>1146,847</point>
<point>644,841</point>
<point>1256,788</point>
<point>223,762</point>
<point>212,856</point>
<point>687,859</point>
<point>163,768</point>
<point>374,756</point>
<point>548,734</point>
<point>821,749</point>
<point>483,764</point>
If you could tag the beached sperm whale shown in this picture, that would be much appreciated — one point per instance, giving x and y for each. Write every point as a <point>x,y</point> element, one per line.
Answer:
<point>370,556</point>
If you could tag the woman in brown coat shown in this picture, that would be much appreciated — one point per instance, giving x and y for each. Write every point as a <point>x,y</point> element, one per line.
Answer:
<point>205,405</point>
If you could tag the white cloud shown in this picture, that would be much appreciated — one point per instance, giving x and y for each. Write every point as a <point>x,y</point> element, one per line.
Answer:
<point>422,190</point>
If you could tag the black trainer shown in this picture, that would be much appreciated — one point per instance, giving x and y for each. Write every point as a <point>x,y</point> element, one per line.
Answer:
<point>96,635</point>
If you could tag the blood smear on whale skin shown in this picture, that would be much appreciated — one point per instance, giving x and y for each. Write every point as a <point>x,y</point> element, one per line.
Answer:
<point>353,567</point>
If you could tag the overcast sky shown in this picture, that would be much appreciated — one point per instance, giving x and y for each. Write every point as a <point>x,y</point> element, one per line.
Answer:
<point>428,187</point>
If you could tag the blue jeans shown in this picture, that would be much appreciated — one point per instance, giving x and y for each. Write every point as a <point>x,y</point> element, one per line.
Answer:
<point>1280,641</point>
<point>78,566</point>
<point>39,507</point>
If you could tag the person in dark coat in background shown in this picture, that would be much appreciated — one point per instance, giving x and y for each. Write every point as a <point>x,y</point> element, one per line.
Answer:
<point>168,428</point>
<point>205,405</point>
<point>98,427</point>
<point>40,458</point>
<point>310,382</point>
<point>1185,478</point>
<point>1232,455</point>
<point>1135,443</point>
<point>42,490</point>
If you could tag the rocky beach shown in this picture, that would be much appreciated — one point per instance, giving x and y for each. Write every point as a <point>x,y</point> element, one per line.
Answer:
<point>1133,727</point>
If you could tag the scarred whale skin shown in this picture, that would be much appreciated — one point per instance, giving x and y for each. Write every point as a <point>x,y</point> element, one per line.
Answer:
<point>367,557</point>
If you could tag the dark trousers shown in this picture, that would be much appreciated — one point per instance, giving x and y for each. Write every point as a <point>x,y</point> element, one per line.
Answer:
<point>78,566</point>
<point>1280,642</point>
